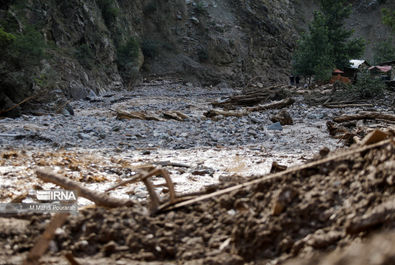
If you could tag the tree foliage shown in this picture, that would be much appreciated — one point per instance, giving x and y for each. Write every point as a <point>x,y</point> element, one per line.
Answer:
<point>327,44</point>
<point>384,51</point>
<point>388,18</point>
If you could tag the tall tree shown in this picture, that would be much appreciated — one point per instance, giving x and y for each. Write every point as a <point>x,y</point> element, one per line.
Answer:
<point>328,24</point>
<point>335,13</point>
<point>312,56</point>
<point>388,18</point>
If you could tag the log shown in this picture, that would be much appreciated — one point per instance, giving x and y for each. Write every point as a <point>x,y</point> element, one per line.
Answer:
<point>44,239</point>
<point>17,105</point>
<point>365,115</point>
<point>334,106</point>
<point>274,105</point>
<point>100,199</point>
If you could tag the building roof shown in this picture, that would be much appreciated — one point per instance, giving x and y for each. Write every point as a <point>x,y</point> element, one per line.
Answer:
<point>384,68</point>
<point>338,71</point>
<point>355,64</point>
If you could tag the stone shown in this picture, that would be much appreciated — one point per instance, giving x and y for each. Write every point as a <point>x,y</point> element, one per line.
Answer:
<point>283,117</point>
<point>275,127</point>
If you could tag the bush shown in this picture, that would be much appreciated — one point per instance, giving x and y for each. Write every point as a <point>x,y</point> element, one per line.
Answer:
<point>128,53</point>
<point>127,60</point>
<point>200,8</point>
<point>5,38</point>
<point>28,48</point>
<point>150,48</point>
<point>368,86</point>
<point>85,56</point>
<point>150,8</point>
<point>108,10</point>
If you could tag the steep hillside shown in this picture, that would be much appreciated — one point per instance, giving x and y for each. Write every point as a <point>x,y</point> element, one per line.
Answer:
<point>94,46</point>
<point>70,49</point>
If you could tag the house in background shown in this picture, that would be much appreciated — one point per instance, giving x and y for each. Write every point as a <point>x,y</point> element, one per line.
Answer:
<point>392,64</point>
<point>337,76</point>
<point>382,72</point>
<point>355,67</point>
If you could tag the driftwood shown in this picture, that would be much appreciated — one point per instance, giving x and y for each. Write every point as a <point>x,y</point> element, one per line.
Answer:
<point>99,199</point>
<point>365,115</point>
<point>17,105</point>
<point>333,106</point>
<point>122,115</point>
<point>253,97</point>
<point>139,115</point>
<point>145,176</point>
<point>43,240</point>
<point>274,105</point>
<point>276,175</point>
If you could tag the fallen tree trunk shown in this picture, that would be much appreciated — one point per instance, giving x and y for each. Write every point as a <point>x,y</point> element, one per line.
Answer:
<point>365,115</point>
<point>274,105</point>
<point>253,97</point>
<point>100,199</point>
<point>334,106</point>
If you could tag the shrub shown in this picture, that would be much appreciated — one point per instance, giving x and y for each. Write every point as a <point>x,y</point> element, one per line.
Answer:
<point>150,48</point>
<point>368,86</point>
<point>150,8</point>
<point>28,48</point>
<point>200,8</point>
<point>108,10</point>
<point>129,52</point>
<point>5,38</point>
<point>127,60</point>
<point>85,56</point>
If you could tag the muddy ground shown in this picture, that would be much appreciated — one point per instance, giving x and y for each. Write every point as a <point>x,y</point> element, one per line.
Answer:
<point>323,207</point>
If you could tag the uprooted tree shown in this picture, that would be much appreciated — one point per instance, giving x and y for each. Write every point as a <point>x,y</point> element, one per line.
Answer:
<point>327,44</point>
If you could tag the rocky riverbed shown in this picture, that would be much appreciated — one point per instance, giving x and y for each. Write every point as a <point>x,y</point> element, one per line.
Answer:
<point>94,147</point>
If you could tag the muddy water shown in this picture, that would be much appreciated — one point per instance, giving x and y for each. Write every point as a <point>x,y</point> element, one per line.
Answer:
<point>98,150</point>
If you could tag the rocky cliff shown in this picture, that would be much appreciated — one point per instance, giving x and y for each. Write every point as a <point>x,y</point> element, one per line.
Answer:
<point>86,47</point>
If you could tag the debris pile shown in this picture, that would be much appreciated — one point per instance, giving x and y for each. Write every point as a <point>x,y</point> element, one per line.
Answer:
<point>327,203</point>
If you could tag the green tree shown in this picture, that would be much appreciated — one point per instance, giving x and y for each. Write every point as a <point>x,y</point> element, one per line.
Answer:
<point>327,33</point>
<point>312,56</point>
<point>384,51</point>
<point>388,18</point>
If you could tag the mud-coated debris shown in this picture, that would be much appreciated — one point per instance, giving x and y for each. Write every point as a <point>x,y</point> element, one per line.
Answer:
<point>224,259</point>
<point>283,198</point>
<point>276,167</point>
<point>381,215</point>
<point>283,117</point>
<point>109,248</point>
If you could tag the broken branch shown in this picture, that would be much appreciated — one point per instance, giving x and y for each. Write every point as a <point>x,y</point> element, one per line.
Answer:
<point>99,199</point>
<point>365,115</point>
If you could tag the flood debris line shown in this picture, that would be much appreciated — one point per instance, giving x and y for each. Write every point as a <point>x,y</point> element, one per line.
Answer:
<point>347,128</point>
<point>254,97</point>
<point>245,111</point>
<point>99,199</point>
<point>42,242</point>
<point>365,115</point>
<point>140,115</point>
<point>349,105</point>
